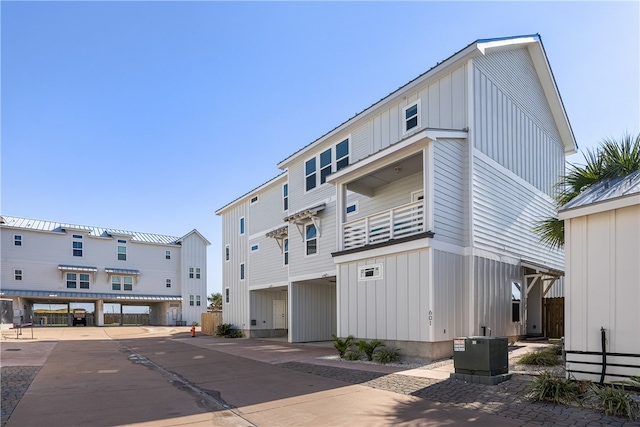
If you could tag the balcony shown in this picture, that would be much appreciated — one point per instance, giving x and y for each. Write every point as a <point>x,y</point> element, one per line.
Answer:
<point>403,221</point>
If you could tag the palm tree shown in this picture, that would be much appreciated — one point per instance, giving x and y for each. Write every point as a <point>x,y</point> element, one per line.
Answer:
<point>611,159</point>
<point>215,301</point>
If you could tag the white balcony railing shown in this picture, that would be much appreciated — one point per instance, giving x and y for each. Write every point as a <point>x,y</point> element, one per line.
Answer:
<point>400,222</point>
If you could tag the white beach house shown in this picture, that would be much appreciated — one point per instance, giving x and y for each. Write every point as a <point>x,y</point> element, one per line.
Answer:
<point>411,222</point>
<point>45,262</point>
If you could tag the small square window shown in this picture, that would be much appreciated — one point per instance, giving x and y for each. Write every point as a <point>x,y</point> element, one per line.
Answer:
<point>167,283</point>
<point>17,274</point>
<point>254,248</point>
<point>352,208</point>
<point>167,254</point>
<point>17,240</point>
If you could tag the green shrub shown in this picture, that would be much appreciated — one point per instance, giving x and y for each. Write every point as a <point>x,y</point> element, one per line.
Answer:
<point>195,324</point>
<point>616,401</point>
<point>551,388</point>
<point>555,349</point>
<point>540,358</point>
<point>386,355</point>
<point>352,354</point>
<point>342,345</point>
<point>368,348</point>
<point>228,331</point>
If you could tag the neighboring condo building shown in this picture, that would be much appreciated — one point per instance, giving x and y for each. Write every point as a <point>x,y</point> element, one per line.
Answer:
<point>412,221</point>
<point>46,262</point>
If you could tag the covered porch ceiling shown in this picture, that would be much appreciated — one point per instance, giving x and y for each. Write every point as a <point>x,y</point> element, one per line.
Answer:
<point>400,169</point>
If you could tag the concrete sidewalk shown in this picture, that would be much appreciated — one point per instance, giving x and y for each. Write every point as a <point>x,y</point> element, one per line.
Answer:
<point>163,377</point>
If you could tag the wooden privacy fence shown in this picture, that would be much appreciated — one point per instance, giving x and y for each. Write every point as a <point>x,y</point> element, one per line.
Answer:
<point>209,322</point>
<point>109,319</point>
<point>554,317</point>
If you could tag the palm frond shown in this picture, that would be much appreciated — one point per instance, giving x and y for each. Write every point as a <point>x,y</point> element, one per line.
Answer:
<point>550,232</point>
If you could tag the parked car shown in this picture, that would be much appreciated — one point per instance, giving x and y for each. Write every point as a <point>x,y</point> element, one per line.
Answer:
<point>79,318</point>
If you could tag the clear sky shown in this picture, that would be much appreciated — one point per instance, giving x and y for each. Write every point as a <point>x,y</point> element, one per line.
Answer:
<point>149,116</point>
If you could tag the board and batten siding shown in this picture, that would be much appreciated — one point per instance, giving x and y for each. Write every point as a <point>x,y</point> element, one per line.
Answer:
<point>492,297</point>
<point>450,206</point>
<point>194,254</point>
<point>316,321</point>
<point>236,311</point>
<point>262,307</point>
<point>513,123</point>
<point>505,211</point>
<point>450,315</point>
<point>392,308</point>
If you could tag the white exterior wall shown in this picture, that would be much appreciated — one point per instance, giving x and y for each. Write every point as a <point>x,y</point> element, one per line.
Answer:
<point>236,311</point>
<point>451,196</point>
<point>316,321</point>
<point>262,308</point>
<point>193,254</point>
<point>602,289</point>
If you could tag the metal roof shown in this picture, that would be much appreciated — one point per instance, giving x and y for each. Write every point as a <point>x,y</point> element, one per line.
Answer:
<point>64,267</point>
<point>59,227</point>
<point>121,271</point>
<point>88,295</point>
<point>607,190</point>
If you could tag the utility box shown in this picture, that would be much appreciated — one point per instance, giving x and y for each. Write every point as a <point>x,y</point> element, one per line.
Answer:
<point>486,356</point>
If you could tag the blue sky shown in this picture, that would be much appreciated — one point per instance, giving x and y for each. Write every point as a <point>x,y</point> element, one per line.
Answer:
<point>149,116</point>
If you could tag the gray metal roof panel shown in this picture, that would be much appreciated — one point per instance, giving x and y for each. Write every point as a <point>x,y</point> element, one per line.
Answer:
<point>607,190</point>
<point>91,295</point>
<point>42,225</point>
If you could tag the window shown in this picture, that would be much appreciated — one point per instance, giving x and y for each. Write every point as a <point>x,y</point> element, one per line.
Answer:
<point>227,252</point>
<point>121,283</point>
<point>77,245</point>
<point>370,272</point>
<point>167,283</point>
<point>191,300</point>
<point>311,239</point>
<point>285,251</point>
<point>84,281</point>
<point>198,301</point>
<point>167,254</point>
<point>72,280</point>
<point>411,116</point>
<point>197,272</point>
<point>254,248</point>
<point>310,174</point>
<point>17,274</point>
<point>242,225</point>
<point>122,250</point>
<point>342,154</point>
<point>325,165</point>
<point>285,197</point>
<point>352,208</point>
<point>515,302</point>
<point>242,271</point>
<point>331,160</point>
<point>226,295</point>
<point>254,199</point>
<point>191,273</point>
<point>17,240</point>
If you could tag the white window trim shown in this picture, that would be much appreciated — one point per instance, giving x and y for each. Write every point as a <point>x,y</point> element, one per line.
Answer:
<point>404,120</point>
<point>355,203</point>
<point>334,162</point>
<point>376,269</point>
<point>316,238</point>
<point>122,277</point>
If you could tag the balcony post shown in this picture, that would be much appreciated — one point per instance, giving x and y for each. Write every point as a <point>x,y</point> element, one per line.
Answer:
<point>341,213</point>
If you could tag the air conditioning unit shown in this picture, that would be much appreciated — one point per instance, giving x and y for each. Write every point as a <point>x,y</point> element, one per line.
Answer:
<point>487,356</point>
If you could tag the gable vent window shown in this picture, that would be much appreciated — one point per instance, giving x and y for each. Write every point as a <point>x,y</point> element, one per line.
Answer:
<point>370,272</point>
<point>254,199</point>
<point>411,116</point>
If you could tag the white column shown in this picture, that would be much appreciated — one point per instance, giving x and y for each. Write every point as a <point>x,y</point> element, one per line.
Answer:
<point>341,214</point>
<point>98,313</point>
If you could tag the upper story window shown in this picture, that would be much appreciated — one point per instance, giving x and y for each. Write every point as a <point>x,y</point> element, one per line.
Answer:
<point>331,160</point>
<point>75,280</point>
<point>167,254</point>
<point>242,271</point>
<point>285,251</point>
<point>311,239</point>
<point>353,208</point>
<point>242,225</point>
<point>197,272</point>
<point>77,245</point>
<point>411,116</point>
<point>191,298</point>
<point>191,272</point>
<point>226,295</point>
<point>121,283</point>
<point>17,240</point>
<point>198,303</point>
<point>285,197</point>
<point>254,248</point>
<point>17,274</point>
<point>227,252</point>
<point>167,283</point>
<point>254,200</point>
<point>122,250</point>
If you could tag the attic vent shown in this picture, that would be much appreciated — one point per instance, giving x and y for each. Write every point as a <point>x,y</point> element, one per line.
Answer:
<point>370,272</point>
